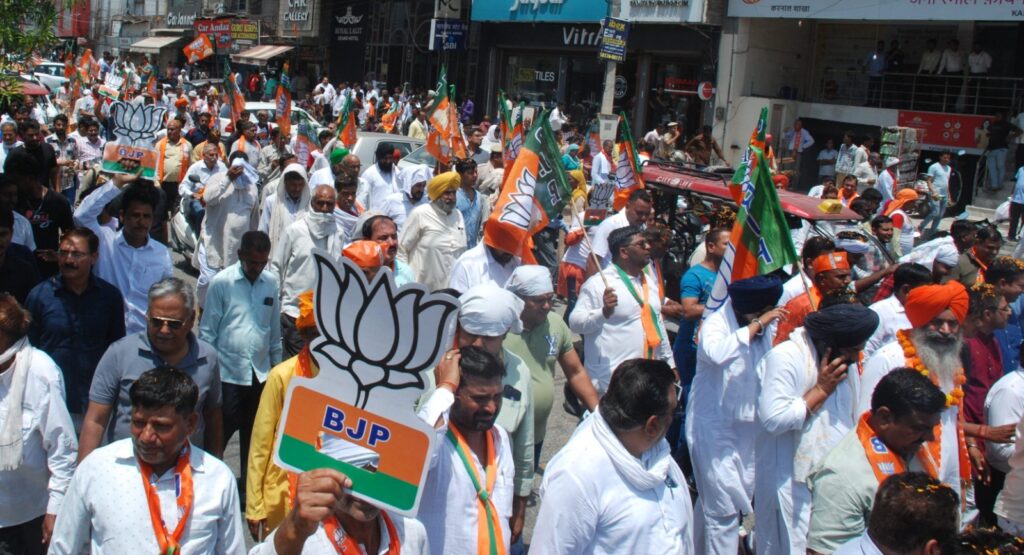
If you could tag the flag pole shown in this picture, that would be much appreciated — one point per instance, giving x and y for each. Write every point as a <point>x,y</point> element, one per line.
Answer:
<point>586,237</point>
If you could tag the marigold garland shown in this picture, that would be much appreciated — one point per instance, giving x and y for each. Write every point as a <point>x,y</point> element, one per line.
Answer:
<point>954,397</point>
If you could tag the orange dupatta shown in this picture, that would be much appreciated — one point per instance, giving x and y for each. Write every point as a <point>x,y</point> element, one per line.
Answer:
<point>170,545</point>
<point>488,532</point>
<point>163,157</point>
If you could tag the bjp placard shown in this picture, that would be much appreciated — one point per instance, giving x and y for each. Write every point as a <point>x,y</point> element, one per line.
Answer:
<point>135,126</point>
<point>358,415</point>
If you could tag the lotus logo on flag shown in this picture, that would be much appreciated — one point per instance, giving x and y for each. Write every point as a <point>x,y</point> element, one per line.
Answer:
<point>357,415</point>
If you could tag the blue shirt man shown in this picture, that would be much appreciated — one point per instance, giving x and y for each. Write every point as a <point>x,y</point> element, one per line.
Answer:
<point>76,316</point>
<point>469,201</point>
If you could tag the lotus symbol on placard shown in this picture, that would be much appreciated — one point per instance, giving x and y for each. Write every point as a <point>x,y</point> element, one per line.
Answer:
<point>135,123</point>
<point>380,337</point>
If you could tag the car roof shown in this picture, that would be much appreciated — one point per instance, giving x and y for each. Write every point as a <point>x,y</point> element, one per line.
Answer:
<point>671,177</point>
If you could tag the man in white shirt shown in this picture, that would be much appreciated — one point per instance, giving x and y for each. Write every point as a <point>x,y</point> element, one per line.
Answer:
<point>413,182</point>
<point>434,234</point>
<point>247,143</point>
<point>9,131</point>
<point>106,509</point>
<point>638,208</point>
<point>614,487</point>
<point>798,139</point>
<point>288,202</point>
<point>845,157</point>
<point>129,259</point>
<point>935,312</point>
<point>322,503</point>
<point>720,415</point>
<point>912,513</point>
<point>324,92</point>
<point>346,211</point>
<point>979,62</point>
<point>37,457</point>
<point>601,177</point>
<point>827,158</point>
<point>886,182</point>
<point>294,264</point>
<point>892,316</point>
<point>482,264</point>
<point>472,455</point>
<point>952,61</point>
<point>196,179</point>
<point>231,199</point>
<point>806,405</point>
<point>379,179</point>
<point>619,310</point>
<point>90,144</point>
<point>1004,404</point>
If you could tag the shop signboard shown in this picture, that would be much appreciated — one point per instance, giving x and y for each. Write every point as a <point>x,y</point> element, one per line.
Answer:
<point>228,33</point>
<point>296,16</point>
<point>944,130</point>
<point>539,10</point>
<point>182,14</point>
<point>348,27</point>
<point>614,34</point>
<point>447,35</point>
<point>662,11</point>
<point>873,10</point>
<point>448,9</point>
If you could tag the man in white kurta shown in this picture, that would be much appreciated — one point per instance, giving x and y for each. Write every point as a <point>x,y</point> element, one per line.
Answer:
<point>600,496</point>
<point>635,213</point>
<point>281,208</point>
<point>434,234</point>
<point>720,416</point>
<point>413,183</point>
<point>1004,405</point>
<point>482,264</point>
<point>449,507</point>
<point>892,316</point>
<point>807,403</point>
<point>611,322</point>
<point>231,199</point>
<point>379,180</point>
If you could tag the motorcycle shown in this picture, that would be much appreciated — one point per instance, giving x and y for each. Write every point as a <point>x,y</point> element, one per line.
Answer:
<point>183,238</point>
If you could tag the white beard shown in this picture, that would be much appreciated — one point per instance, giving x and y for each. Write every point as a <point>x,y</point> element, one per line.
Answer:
<point>941,358</point>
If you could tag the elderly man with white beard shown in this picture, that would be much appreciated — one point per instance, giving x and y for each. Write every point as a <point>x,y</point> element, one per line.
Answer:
<point>720,423</point>
<point>810,384</point>
<point>932,347</point>
<point>293,261</point>
<point>434,234</point>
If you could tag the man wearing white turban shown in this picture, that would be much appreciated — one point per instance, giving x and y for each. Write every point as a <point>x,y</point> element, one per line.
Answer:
<point>285,205</point>
<point>412,185</point>
<point>488,313</point>
<point>544,340</point>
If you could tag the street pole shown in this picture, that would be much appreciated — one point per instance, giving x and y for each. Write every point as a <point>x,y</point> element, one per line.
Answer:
<point>608,98</point>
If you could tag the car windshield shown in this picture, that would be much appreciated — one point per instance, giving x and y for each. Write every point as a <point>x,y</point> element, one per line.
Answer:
<point>421,156</point>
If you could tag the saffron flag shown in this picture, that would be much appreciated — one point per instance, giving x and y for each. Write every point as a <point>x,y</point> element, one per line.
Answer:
<point>390,118</point>
<point>151,86</point>
<point>439,147</point>
<point>455,138</point>
<point>760,242</point>
<point>513,141</point>
<point>628,176</point>
<point>346,124</point>
<point>593,139</point>
<point>232,95</point>
<point>199,49</point>
<point>88,67</point>
<point>306,143</point>
<point>536,190</point>
<point>439,112</point>
<point>283,103</point>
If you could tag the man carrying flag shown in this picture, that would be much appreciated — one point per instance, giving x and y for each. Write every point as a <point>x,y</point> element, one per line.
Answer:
<point>283,103</point>
<point>232,95</point>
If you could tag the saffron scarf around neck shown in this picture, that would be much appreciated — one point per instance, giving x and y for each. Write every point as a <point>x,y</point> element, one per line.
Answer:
<point>489,536</point>
<point>649,319</point>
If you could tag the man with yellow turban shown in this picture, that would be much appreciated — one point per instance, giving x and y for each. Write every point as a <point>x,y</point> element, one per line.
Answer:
<point>267,486</point>
<point>434,234</point>
<point>931,347</point>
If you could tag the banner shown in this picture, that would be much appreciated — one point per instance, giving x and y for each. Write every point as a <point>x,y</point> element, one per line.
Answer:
<point>760,242</point>
<point>875,10</point>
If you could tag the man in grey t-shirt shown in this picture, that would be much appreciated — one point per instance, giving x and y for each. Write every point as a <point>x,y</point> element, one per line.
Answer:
<point>167,341</point>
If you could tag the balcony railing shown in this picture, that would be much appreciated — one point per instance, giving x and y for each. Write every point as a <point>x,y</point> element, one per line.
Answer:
<point>912,91</point>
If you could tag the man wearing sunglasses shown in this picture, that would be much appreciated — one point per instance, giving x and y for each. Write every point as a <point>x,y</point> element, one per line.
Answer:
<point>167,341</point>
<point>76,315</point>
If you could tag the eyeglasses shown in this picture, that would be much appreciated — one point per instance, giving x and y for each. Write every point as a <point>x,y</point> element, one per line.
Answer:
<point>73,255</point>
<point>159,323</point>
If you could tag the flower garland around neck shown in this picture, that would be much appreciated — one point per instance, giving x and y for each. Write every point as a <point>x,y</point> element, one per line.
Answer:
<point>954,397</point>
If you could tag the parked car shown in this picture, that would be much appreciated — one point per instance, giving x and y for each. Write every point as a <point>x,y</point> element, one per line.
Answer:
<point>366,146</point>
<point>418,156</point>
<point>50,74</point>
<point>299,116</point>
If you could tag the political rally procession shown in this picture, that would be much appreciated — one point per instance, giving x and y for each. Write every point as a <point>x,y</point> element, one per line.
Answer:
<point>497,277</point>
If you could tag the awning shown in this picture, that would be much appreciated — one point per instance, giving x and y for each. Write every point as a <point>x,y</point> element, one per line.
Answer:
<point>258,55</point>
<point>153,45</point>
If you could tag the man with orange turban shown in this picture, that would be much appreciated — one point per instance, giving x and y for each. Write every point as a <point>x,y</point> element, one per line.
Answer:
<point>831,277</point>
<point>932,347</point>
<point>267,487</point>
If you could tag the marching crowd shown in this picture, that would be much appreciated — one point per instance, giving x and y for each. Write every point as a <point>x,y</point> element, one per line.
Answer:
<point>870,403</point>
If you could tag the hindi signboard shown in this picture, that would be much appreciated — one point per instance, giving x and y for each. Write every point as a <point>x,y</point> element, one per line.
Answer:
<point>614,34</point>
